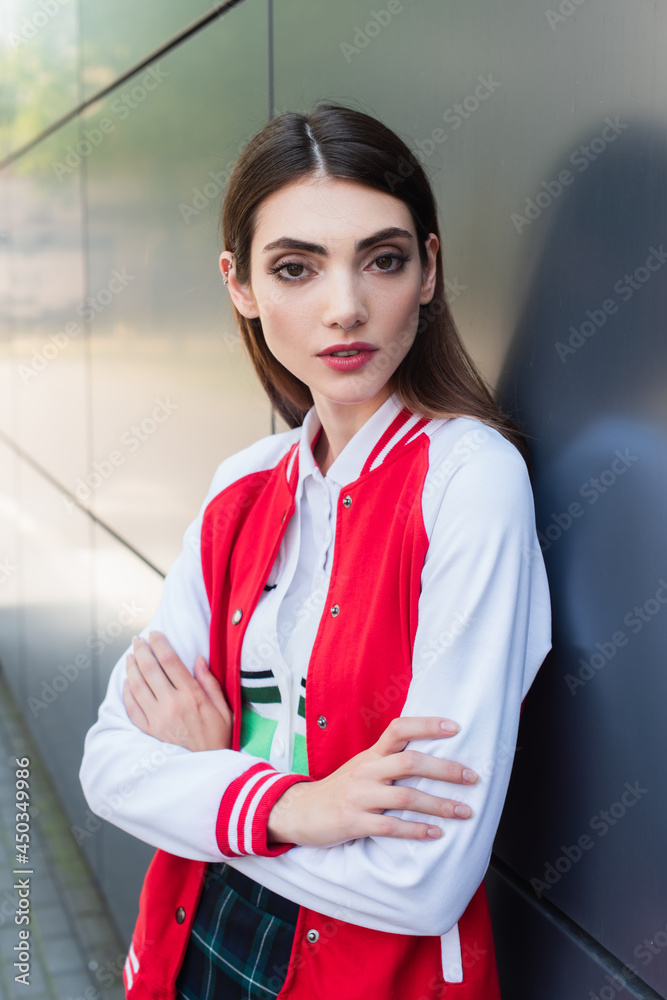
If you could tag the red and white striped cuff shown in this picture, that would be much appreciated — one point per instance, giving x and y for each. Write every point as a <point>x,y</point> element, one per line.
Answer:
<point>131,968</point>
<point>244,811</point>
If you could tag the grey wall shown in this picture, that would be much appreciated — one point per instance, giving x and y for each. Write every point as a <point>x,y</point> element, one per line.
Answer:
<point>122,383</point>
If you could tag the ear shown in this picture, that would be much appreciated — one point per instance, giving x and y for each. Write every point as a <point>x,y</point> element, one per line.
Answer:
<point>429,271</point>
<point>241,295</point>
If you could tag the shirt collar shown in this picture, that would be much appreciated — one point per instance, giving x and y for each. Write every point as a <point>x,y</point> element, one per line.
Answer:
<point>347,467</point>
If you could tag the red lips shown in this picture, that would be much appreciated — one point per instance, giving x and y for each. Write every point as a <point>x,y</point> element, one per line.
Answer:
<point>357,345</point>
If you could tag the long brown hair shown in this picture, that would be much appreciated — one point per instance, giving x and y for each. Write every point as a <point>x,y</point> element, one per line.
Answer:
<point>437,377</point>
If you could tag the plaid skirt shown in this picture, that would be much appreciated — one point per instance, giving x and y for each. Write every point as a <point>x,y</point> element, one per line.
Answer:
<point>241,940</point>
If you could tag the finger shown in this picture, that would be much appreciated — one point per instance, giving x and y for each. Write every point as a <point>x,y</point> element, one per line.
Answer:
<point>134,711</point>
<point>415,764</point>
<point>141,691</point>
<point>403,729</point>
<point>413,800</point>
<point>391,826</point>
<point>171,663</point>
<point>149,663</point>
<point>378,798</point>
<point>211,687</point>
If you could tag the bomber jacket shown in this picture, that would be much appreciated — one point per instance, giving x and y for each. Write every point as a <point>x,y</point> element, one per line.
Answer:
<point>438,604</point>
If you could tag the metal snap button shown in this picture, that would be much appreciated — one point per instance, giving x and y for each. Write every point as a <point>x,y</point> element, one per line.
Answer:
<point>237,616</point>
<point>180,915</point>
<point>335,611</point>
<point>322,722</point>
<point>347,501</point>
<point>313,936</point>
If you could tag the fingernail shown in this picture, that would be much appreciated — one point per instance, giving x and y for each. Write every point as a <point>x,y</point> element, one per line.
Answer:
<point>135,638</point>
<point>463,812</point>
<point>470,776</point>
<point>434,832</point>
<point>449,726</point>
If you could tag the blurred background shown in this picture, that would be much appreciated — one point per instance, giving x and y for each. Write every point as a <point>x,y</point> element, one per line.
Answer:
<point>123,385</point>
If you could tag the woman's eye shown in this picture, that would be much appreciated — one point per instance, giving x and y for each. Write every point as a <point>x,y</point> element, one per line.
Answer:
<point>289,271</point>
<point>391,261</point>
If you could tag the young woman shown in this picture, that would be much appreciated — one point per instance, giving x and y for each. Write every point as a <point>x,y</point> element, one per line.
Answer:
<point>282,732</point>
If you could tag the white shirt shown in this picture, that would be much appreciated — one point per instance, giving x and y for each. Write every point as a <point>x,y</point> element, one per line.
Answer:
<point>281,633</point>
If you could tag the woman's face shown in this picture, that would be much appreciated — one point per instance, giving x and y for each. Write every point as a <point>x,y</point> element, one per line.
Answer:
<point>335,267</point>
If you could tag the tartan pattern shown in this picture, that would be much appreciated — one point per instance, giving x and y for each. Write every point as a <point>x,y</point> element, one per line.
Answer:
<point>241,940</point>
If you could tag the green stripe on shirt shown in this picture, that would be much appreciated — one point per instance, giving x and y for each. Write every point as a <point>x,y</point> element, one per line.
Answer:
<point>257,737</point>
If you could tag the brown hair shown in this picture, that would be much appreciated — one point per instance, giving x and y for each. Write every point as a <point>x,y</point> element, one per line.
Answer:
<point>437,377</point>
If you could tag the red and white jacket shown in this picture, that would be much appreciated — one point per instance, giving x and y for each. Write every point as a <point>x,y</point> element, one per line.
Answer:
<point>437,605</point>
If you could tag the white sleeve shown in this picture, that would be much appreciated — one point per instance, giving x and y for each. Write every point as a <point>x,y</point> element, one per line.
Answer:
<point>161,793</point>
<point>484,630</point>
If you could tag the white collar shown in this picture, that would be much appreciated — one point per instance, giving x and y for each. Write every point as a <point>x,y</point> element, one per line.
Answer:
<point>348,465</point>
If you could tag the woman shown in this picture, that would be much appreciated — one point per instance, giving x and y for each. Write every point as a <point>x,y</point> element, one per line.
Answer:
<point>350,587</point>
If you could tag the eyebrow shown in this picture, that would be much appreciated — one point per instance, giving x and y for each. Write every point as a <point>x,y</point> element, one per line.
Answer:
<point>382,236</point>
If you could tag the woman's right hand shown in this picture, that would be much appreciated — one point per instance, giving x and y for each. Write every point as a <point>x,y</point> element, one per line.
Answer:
<point>349,803</point>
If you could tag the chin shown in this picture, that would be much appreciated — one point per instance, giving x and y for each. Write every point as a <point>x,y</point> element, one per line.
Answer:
<point>351,394</point>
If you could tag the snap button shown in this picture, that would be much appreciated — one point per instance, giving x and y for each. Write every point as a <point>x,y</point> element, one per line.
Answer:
<point>335,611</point>
<point>313,936</point>
<point>237,616</point>
<point>347,501</point>
<point>180,915</point>
<point>322,722</point>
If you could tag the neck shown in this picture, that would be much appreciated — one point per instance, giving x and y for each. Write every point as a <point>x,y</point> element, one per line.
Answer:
<point>340,422</point>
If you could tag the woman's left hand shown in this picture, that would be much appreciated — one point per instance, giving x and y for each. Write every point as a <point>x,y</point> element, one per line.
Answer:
<point>164,700</point>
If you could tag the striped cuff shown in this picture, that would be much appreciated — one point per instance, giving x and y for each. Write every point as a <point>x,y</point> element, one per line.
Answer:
<point>131,968</point>
<point>244,811</point>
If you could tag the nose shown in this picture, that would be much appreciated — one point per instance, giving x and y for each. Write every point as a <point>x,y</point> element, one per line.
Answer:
<point>344,304</point>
